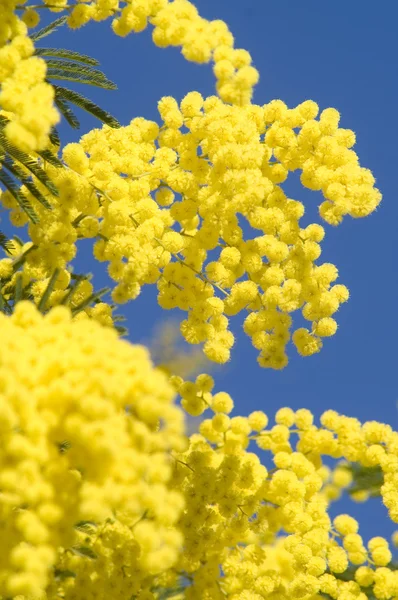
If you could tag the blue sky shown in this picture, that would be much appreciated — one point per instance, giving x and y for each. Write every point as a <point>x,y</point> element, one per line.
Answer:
<point>340,54</point>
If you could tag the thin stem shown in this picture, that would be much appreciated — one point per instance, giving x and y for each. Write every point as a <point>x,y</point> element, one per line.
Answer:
<point>182,463</point>
<point>41,6</point>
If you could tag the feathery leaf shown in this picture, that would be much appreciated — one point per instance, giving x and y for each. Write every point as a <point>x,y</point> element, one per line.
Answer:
<point>38,35</point>
<point>29,163</point>
<point>18,239</point>
<point>67,112</point>
<point>121,330</point>
<point>4,305</point>
<point>75,67</point>
<point>89,78</point>
<point>87,105</point>
<point>63,574</point>
<point>54,137</point>
<point>51,158</point>
<point>84,551</point>
<point>86,526</point>
<point>23,202</point>
<point>5,242</point>
<point>67,54</point>
<point>20,176</point>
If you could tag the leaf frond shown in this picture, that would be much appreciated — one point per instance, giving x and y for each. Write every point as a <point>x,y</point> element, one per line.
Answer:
<point>87,105</point>
<point>88,79</point>
<point>75,67</point>
<point>49,157</point>
<point>21,199</point>
<point>54,137</point>
<point>67,54</point>
<point>121,330</point>
<point>28,162</point>
<point>45,31</point>
<point>67,112</point>
<point>28,183</point>
<point>84,551</point>
<point>5,242</point>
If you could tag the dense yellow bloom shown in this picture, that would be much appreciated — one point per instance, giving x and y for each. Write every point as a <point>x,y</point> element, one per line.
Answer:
<point>102,496</point>
<point>24,93</point>
<point>87,428</point>
<point>238,512</point>
<point>160,201</point>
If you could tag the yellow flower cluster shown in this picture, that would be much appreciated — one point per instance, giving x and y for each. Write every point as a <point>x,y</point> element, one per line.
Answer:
<point>25,97</point>
<point>101,495</point>
<point>177,209</point>
<point>87,431</point>
<point>177,23</point>
<point>270,529</point>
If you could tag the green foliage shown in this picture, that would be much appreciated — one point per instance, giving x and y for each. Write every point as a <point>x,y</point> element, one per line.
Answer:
<point>50,28</point>
<point>84,551</point>
<point>5,243</point>
<point>368,479</point>
<point>13,187</point>
<point>85,104</point>
<point>69,65</point>
<point>67,54</point>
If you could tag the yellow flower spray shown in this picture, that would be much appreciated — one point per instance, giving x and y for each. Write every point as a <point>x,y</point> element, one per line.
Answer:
<point>102,494</point>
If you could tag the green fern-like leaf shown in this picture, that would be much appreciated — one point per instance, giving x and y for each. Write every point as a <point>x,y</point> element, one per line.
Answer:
<point>87,105</point>
<point>368,479</point>
<point>67,54</point>
<point>5,242</point>
<point>62,574</point>
<point>76,67</point>
<point>20,176</point>
<point>27,161</point>
<point>51,158</point>
<point>4,305</point>
<point>38,35</point>
<point>86,526</point>
<point>67,112</point>
<point>122,331</point>
<point>94,78</point>
<point>84,551</point>
<point>21,199</point>
<point>69,65</point>
<point>54,137</point>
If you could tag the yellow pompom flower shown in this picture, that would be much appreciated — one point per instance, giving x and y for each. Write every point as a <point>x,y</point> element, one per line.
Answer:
<point>82,440</point>
<point>25,98</point>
